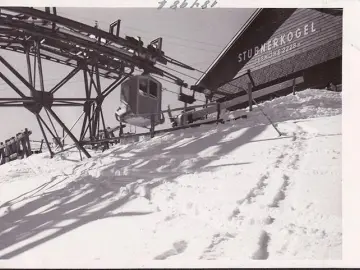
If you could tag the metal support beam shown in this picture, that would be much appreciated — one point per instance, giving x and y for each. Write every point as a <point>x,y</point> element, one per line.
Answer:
<point>17,74</point>
<point>218,112</point>
<point>41,77</point>
<point>48,128</point>
<point>152,127</point>
<point>98,85</point>
<point>28,62</point>
<point>17,90</point>
<point>104,128</point>
<point>114,85</point>
<point>92,82</point>
<point>77,143</point>
<point>250,96</point>
<point>251,78</point>
<point>65,80</point>
<point>52,124</point>
<point>294,86</point>
<point>82,132</point>
<point>44,135</point>
<point>34,68</point>
<point>107,56</point>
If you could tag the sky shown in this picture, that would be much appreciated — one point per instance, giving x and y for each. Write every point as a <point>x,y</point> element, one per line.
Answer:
<point>192,36</point>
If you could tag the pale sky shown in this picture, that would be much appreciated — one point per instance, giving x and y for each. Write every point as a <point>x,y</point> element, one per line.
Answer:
<point>193,36</point>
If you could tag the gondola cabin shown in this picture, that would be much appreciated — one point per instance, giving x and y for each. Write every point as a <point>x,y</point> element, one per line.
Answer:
<point>142,96</point>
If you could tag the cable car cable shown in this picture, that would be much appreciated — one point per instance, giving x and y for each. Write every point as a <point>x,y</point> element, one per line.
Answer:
<point>160,78</point>
<point>166,80</point>
<point>164,35</point>
<point>179,72</point>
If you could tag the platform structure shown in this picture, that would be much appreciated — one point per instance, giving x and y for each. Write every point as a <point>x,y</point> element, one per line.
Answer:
<point>97,54</point>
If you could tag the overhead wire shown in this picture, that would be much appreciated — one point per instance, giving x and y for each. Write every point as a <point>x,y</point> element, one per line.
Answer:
<point>165,35</point>
<point>253,100</point>
<point>146,31</point>
<point>165,89</point>
<point>169,68</point>
<point>175,37</point>
<point>171,36</point>
<point>179,72</point>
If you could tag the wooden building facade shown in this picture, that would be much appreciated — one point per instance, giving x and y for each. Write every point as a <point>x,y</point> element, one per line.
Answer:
<point>276,49</point>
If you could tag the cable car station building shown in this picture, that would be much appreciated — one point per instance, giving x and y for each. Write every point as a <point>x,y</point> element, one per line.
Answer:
<point>275,51</point>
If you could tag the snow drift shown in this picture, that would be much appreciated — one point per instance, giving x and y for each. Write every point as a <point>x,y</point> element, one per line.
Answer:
<point>227,191</point>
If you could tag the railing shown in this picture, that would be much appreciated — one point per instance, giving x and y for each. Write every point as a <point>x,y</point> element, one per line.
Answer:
<point>17,147</point>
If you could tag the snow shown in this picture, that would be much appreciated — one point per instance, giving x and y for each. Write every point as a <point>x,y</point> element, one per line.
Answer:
<point>233,191</point>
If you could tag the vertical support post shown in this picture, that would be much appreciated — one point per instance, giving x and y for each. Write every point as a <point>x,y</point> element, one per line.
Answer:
<point>80,155</point>
<point>95,120</point>
<point>84,127</point>
<point>41,145</point>
<point>63,136</point>
<point>121,131</point>
<point>37,44</point>
<point>27,140</point>
<point>172,119</point>
<point>152,128</point>
<point>2,153</point>
<point>105,130</point>
<point>206,105</point>
<point>97,76</point>
<point>293,86</point>
<point>90,118</point>
<point>34,69</point>
<point>13,153</point>
<point>7,151</point>
<point>98,126</point>
<point>250,96</point>
<point>218,112</point>
<point>29,65</point>
<point>87,107</point>
<point>183,122</point>
<point>18,139</point>
<point>55,13</point>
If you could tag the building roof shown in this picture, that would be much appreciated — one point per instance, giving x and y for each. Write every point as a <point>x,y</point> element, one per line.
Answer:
<point>230,44</point>
<point>261,25</point>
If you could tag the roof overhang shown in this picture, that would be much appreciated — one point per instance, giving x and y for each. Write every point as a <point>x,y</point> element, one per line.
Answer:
<point>261,25</point>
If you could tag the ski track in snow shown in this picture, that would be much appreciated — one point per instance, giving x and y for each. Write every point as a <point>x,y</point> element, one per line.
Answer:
<point>275,181</point>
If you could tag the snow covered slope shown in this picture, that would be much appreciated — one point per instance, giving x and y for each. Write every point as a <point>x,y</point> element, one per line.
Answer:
<point>231,191</point>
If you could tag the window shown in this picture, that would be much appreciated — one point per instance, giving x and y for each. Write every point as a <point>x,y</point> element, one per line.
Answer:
<point>148,87</point>
<point>153,89</point>
<point>143,86</point>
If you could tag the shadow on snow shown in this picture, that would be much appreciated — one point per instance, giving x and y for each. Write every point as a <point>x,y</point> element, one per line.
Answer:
<point>88,198</point>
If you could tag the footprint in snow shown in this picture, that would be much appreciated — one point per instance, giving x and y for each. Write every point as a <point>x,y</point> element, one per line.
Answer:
<point>178,247</point>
